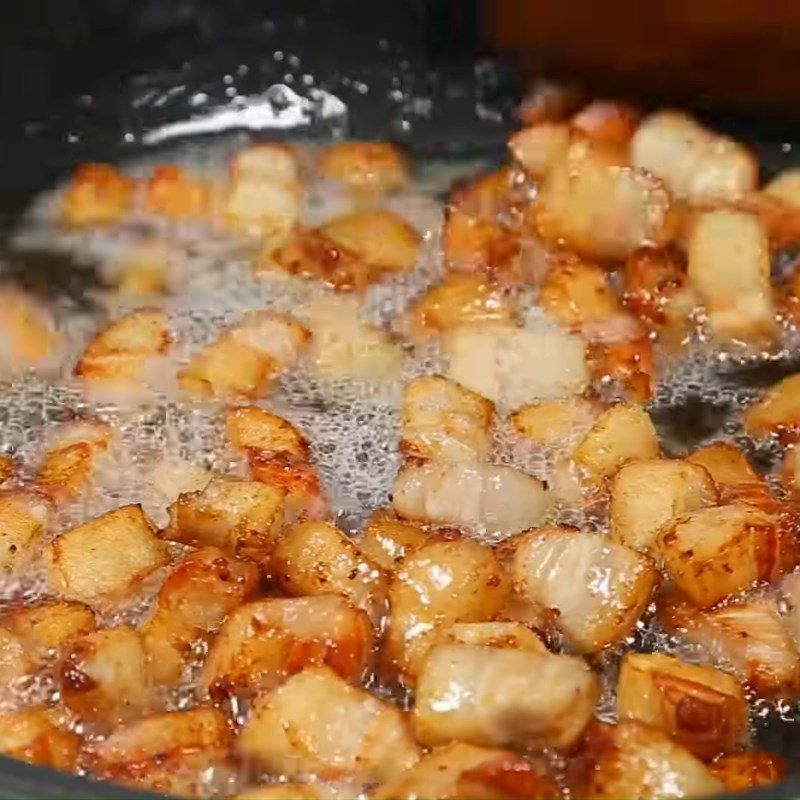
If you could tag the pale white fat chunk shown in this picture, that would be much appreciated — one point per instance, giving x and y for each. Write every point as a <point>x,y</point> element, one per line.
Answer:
<point>513,366</point>
<point>492,498</point>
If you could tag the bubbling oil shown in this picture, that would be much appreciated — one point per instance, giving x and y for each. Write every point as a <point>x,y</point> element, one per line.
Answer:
<point>352,424</point>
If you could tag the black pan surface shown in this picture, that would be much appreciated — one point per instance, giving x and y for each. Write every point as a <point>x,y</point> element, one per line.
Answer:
<point>97,79</point>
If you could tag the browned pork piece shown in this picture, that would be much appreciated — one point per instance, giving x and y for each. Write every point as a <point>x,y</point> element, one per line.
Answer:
<point>171,753</point>
<point>748,638</point>
<point>368,169</point>
<point>498,194</point>
<point>7,468</point>
<point>606,122</point>
<point>442,420</point>
<point>655,288</point>
<point>557,424</point>
<point>177,194</point>
<point>539,148</point>
<point>481,245</point>
<point>622,434</point>
<point>264,197</point>
<point>97,195</point>
<point>47,627</point>
<point>201,591</point>
<point>696,163</point>
<point>318,723</point>
<point>494,696</point>
<point>24,518</point>
<point>316,558</point>
<point>445,581</point>
<point>246,358</point>
<point>507,635</point>
<point>702,708</point>
<point>622,362</point>
<point>751,770</point>
<point>72,456</point>
<point>461,771</point>
<point>729,269</point>
<point>631,759</point>
<point>777,412</point>
<point>713,552</point>
<point>513,365</point>
<point>127,357</point>
<point>387,540</point>
<point>36,735</point>
<point>600,207</point>
<point>279,455</point>
<point>576,291</point>
<point>459,299</point>
<point>242,518</point>
<point>349,252</point>
<point>645,495</point>
<point>263,643</point>
<point>732,472</point>
<point>104,676</point>
<point>28,336</point>
<point>104,559</point>
<point>597,588</point>
<point>790,472</point>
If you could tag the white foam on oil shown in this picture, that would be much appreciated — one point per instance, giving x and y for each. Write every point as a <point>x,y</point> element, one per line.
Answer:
<point>352,424</point>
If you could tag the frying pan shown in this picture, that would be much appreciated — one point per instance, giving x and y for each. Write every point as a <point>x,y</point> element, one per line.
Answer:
<point>110,79</point>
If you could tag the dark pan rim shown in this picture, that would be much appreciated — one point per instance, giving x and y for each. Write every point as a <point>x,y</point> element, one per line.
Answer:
<point>19,779</point>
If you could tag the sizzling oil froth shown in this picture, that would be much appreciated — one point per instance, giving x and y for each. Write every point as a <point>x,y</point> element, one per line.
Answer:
<point>352,424</point>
